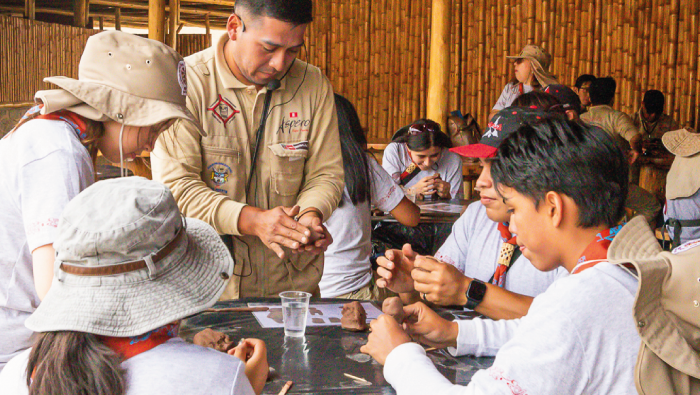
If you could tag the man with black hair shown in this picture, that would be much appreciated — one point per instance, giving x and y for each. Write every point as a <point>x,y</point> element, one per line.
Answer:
<point>583,83</point>
<point>565,186</point>
<point>616,123</point>
<point>638,200</point>
<point>650,119</point>
<point>268,189</point>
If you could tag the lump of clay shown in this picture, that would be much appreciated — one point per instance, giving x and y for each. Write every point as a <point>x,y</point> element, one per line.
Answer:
<point>354,317</point>
<point>213,339</point>
<point>394,307</point>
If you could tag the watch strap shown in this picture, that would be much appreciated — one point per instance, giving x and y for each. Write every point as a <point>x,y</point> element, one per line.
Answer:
<point>471,302</point>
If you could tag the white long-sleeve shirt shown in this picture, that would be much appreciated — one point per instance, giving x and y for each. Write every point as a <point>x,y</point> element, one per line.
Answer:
<point>579,337</point>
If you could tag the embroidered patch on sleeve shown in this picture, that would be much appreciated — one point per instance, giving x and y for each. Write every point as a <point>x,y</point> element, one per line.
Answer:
<point>39,226</point>
<point>513,386</point>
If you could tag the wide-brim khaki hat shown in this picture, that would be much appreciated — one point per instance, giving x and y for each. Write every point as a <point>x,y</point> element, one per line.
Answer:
<point>665,308</point>
<point>126,78</point>
<point>127,262</point>
<point>540,60</point>
<point>681,142</point>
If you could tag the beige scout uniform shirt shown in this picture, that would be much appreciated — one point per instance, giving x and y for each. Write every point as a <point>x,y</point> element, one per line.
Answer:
<point>299,162</point>
<point>656,129</point>
<point>616,123</point>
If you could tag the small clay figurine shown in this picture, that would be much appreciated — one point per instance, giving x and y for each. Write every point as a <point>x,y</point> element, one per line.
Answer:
<point>213,339</point>
<point>394,307</point>
<point>354,317</point>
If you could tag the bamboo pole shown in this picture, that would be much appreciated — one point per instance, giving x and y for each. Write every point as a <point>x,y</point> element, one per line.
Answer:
<point>80,12</point>
<point>207,30</point>
<point>156,20</point>
<point>439,61</point>
<point>118,18</point>
<point>30,9</point>
<point>173,21</point>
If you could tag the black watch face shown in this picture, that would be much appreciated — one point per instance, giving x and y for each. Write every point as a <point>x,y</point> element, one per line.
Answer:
<point>476,291</point>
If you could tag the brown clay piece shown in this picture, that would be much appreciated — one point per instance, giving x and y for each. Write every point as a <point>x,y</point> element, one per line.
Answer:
<point>213,339</point>
<point>354,317</point>
<point>394,307</point>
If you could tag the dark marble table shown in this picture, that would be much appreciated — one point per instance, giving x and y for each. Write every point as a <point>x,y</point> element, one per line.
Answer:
<point>317,362</point>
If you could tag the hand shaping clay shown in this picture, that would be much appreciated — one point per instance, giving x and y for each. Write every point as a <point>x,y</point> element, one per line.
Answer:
<point>354,317</point>
<point>394,307</point>
<point>213,339</point>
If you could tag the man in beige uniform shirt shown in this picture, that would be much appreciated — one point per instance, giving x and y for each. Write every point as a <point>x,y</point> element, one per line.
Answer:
<point>616,123</point>
<point>277,227</point>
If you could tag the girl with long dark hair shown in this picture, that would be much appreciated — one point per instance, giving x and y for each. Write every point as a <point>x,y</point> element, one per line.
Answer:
<point>129,267</point>
<point>347,270</point>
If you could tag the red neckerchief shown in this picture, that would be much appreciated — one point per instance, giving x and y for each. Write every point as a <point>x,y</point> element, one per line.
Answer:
<point>74,120</point>
<point>128,347</point>
<point>521,88</point>
<point>506,235</point>
<point>597,250</point>
<point>499,276</point>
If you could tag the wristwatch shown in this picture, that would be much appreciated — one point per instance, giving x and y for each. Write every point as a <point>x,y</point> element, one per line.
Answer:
<point>475,294</point>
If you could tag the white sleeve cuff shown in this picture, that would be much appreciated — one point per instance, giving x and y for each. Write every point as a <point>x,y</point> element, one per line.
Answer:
<point>409,370</point>
<point>467,342</point>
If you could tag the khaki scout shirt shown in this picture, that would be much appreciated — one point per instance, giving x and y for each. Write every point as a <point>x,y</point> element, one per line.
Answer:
<point>299,162</point>
<point>656,129</point>
<point>615,123</point>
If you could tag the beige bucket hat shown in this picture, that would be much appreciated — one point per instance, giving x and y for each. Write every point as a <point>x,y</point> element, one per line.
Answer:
<point>540,60</point>
<point>666,309</point>
<point>682,142</point>
<point>127,262</point>
<point>683,179</point>
<point>126,78</point>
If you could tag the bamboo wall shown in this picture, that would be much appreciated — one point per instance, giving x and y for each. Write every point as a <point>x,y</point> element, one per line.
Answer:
<point>376,52</point>
<point>31,51</point>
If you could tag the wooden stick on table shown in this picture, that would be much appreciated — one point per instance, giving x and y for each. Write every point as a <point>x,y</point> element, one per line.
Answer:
<point>237,309</point>
<point>286,387</point>
<point>355,377</point>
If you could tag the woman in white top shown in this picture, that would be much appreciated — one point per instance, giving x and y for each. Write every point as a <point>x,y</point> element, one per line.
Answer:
<point>48,157</point>
<point>129,267</point>
<point>419,159</point>
<point>531,69</point>
<point>347,272</point>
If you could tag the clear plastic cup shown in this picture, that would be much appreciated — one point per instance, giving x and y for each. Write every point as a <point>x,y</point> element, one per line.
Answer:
<point>295,308</point>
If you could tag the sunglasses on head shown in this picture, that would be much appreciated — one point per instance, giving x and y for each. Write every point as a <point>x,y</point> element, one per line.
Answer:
<point>419,128</point>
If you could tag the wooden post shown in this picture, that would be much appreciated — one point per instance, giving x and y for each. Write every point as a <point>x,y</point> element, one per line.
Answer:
<point>80,13</point>
<point>156,20</point>
<point>117,18</point>
<point>102,23</point>
<point>208,32</point>
<point>30,9</point>
<point>173,21</point>
<point>439,61</point>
